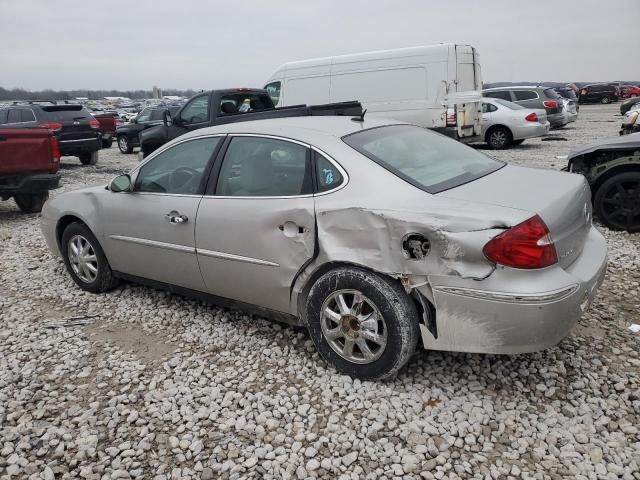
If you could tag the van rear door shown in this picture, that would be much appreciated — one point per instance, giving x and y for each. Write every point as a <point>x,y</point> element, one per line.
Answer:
<point>468,85</point>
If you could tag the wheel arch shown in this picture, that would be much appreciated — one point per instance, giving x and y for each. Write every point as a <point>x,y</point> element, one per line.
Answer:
<point>611,172</point>
<point>303,291</point>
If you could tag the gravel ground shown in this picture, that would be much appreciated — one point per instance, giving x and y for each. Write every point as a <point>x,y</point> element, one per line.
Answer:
<point>157,386</point>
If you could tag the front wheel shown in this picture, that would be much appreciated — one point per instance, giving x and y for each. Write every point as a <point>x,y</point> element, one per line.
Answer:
<point>89,158</point>
<point>363,324</point>
<point>605,100</point>
<point>85,260</point>
<point>31,202</point>
<point>124,144</point>
<point>499,138</point>
<point>617,202</point>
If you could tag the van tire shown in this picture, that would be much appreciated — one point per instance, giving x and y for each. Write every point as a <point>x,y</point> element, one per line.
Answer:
<point>499,137</point>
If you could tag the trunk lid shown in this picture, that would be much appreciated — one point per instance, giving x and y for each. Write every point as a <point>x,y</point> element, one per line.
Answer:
<point>563,201</point>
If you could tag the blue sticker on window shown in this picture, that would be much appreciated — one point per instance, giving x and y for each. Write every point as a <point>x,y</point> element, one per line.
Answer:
<point>328,176</point>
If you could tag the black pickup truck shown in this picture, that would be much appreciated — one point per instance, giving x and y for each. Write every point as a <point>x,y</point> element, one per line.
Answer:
<point>218,107</point>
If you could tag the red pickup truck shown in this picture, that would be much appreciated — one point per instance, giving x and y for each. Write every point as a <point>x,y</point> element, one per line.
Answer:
<point>108,124</point>
<point>29,164</point>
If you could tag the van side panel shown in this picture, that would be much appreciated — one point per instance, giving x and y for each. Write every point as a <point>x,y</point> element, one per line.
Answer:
<point>467,87</point>
<point>306,90</point>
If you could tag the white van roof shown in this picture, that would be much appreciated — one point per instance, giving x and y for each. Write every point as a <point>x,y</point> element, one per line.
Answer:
<point>441,48</point>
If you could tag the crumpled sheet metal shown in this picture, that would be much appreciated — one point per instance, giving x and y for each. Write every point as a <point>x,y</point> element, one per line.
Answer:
<point>373,237</point>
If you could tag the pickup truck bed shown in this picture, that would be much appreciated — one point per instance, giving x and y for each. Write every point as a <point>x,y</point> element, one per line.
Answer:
<point>29,164</point>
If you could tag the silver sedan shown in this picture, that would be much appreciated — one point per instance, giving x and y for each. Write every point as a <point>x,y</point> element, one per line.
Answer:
<point>375,236</point>
<point>506,123</point>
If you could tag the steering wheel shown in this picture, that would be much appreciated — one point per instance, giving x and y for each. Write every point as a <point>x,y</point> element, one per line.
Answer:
<point>180,177</point>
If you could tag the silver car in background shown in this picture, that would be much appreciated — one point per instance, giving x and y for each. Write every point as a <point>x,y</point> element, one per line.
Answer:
<point>372,234</point>
<point>506,123</point>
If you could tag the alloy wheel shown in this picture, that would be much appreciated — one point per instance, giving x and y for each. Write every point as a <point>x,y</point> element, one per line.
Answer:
<point>353,326</point>
<point>621,204</point>
<point>83,259</point>
<point>122,143</point>
<point>498,138</point>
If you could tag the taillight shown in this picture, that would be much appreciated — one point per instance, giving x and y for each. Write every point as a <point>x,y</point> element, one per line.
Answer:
<point>452,119</point>
<point>54,127</point>
<point>55,150</point>
<point>532,117</point>
<point>550,103</point>
<point>527,245</point>
<point>94,124</point>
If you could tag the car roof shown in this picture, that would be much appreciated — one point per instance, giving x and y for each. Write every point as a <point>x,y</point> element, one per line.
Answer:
<point>305,128</point>
<point>510,87</point>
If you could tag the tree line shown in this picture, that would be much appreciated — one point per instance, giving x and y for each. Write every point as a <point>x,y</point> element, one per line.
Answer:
<point>48,94</point>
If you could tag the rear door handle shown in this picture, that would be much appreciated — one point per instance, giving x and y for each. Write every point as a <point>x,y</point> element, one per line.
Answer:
<point>176,218</point>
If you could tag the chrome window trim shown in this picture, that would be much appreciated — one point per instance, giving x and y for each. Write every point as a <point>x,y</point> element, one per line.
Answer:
<point>237,258</point>
<point>154,243</point>
<point>186,195</point>
<point>518,298</point>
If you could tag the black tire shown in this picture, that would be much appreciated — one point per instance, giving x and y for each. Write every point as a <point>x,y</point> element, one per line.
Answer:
<point>89,158</point>
<point>31,202</point>
<point>605,100</point>
<point>517,142</point>
<point>104,279</point>
<point>499,138</point>
<point>107,143</point>
<point>617,202</point>
<point>398,314</point>
<point>124,144</point>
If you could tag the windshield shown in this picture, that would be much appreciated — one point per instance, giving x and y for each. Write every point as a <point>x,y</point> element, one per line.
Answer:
<point>425,159</point>
<point>506,103</point>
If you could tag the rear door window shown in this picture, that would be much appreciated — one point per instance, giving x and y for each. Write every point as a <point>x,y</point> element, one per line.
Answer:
<point>14,116</point>
<point>327,174</point>
<point>503,94</point>
<point>264,167</point>
<point>3,116</point>
<point>525,94</point>
<point>27,115</point>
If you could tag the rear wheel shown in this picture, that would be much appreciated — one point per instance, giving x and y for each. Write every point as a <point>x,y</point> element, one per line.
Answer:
<point>31,202</point>
<point>605,100</point>
<point>85,260</point>
<point>89,158</point>
<point>499,138</point>
<point>124,144</point>
<point>617,202</point>
<point>363,324</point>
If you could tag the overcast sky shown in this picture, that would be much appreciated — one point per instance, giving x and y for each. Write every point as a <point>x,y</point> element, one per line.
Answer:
<point>131,44</point>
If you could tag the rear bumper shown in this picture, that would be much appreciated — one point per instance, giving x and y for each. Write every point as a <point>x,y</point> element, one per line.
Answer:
<point>83,145</point>
<point>558,119</point>
<point>515,311</point>
<point>532,129</point>
<point>40,182</point>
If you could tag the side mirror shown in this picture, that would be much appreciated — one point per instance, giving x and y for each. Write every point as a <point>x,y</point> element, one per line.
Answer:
<point>122,183</point>
<point>166,118</point>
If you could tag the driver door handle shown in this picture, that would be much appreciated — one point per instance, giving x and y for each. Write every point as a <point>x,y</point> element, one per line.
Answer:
<point>175,218</point>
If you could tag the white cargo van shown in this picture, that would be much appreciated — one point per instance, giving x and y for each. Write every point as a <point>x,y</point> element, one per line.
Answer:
<point>434,86</point>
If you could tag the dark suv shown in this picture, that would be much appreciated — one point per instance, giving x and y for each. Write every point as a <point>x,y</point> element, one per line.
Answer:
<point>127,135</point>
<point>77,132</point>
<point>598,93</point>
